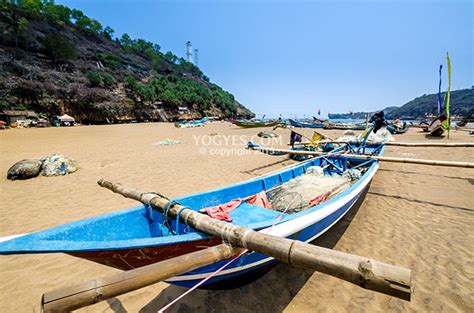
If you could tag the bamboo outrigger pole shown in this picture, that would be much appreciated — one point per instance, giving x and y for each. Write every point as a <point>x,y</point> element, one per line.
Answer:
<point>368,157</point>
<point>431,144</point>
<point>100,289</point>
<point>415,144</point>
<point>367,273</point>
<point>412,161</point>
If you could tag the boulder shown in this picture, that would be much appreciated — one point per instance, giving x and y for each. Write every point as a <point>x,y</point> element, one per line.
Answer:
<point>58,164</point>
<point>267,134</point>
<point>25,169</point>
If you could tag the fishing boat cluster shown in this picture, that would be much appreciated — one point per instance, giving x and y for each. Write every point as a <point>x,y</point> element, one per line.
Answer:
<point>289,208</point>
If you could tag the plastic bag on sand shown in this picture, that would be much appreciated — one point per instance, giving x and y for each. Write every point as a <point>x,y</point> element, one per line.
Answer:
<point>296,194</point>
<point>168,142</point>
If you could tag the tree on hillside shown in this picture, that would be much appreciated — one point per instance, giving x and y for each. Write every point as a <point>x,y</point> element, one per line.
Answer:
<point>59,47</point>
<point>108,32</point>
<point>16,24</point>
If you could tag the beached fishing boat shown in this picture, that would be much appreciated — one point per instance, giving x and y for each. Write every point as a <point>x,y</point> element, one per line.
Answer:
<point>253,124</point>
<point>436,128</point>
<point>395,129</point>
<point>463,122</point>
<point>305,125</point>
<point>344,126</point>
<point>188,124</point>
<point>140,236</point>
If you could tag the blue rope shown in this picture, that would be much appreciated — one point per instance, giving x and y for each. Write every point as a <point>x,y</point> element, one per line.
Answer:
<point>177,219</point>
<point>166,212</point>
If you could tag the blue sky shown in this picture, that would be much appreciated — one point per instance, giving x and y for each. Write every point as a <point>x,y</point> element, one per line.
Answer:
<point>293,57</point>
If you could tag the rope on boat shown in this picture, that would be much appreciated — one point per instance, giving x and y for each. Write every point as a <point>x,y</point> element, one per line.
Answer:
<point>166,221</point>
<point>177,220</point>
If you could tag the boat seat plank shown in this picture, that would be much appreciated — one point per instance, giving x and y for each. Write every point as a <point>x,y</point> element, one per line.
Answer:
<point>247,214</point>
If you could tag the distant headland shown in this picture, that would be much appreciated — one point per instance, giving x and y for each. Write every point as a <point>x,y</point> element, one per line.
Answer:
<point>462,104</point>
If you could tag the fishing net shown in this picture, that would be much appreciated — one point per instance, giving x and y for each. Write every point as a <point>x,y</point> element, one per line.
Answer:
<point>383,135</point>
<point>307,190</point>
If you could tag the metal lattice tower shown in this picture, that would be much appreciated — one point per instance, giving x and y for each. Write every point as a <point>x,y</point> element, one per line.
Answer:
<point>189,52</point>
<point>196,57</point>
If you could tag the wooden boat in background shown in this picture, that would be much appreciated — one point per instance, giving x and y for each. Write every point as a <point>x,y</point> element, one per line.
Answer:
<point>305,125</point>
<point>140,236</point>
<point>394,129</point>
<point>188,124</point>
<point>253,124</point>
<point>463,122</point>
<point>436,127</point>
<point>344,126</point>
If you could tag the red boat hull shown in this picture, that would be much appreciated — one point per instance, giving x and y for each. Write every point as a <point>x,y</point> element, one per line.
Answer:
<point>137,257</point>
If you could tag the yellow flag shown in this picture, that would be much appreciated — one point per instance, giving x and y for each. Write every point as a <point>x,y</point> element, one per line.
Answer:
<point>316,138</point>
<point>448,94</point>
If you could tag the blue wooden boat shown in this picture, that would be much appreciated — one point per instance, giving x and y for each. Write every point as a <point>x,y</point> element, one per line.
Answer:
<point>395,129</point>
<point>140,236</point>
<point>345,126</point>
<point>305,125</point>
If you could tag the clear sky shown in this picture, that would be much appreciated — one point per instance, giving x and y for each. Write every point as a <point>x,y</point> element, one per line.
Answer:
<point>293,57</point>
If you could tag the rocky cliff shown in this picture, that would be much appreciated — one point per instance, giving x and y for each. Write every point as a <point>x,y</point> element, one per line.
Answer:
<point>56,60</point>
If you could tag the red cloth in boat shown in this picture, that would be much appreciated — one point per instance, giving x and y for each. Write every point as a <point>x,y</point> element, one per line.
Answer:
<point>221,212</point>
<point>260,199</point>
<point>318,199</point>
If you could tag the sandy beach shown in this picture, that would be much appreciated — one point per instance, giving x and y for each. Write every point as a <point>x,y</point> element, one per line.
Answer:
<point>419,217</point>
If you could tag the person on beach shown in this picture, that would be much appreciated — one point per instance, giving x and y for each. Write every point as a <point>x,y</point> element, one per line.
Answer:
<point>378,119</point>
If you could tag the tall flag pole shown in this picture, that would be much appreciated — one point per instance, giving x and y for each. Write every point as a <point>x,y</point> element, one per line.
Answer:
<point>448,94</point>
<point>440,103</point>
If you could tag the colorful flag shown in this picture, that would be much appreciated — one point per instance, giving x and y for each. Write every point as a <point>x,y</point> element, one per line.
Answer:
<point>440,103</point>
<point>448,95</point>
<point>316,138</point>
<point>295,137</point>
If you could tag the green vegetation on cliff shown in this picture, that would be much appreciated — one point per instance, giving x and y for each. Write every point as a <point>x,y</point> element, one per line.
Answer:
<point>55,59</point>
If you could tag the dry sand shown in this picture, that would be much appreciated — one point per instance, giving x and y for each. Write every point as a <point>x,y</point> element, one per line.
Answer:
<point>418,217</point>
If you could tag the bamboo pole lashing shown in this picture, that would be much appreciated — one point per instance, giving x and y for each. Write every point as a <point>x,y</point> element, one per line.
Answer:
<point>415,144</point>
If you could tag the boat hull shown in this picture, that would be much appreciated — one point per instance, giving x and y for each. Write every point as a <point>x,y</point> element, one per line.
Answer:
<point>394,130</point>
<point>305,125</point>
<point>128,259</point>
<point>344,127</point>
<point>255,124</point>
